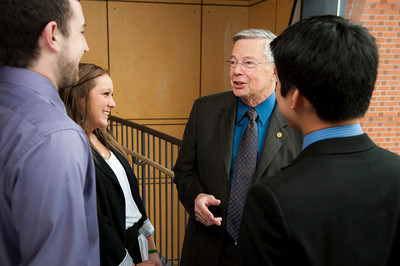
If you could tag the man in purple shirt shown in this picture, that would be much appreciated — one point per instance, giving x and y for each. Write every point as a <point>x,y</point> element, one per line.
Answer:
<point>47,186</point>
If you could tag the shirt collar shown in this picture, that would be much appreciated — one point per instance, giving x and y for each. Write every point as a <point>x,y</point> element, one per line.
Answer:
<point>264,109</point>
<point>332,132</point>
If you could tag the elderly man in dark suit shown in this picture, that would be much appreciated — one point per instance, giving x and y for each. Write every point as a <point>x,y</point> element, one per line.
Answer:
<point>338,203</point>
<point>232,140</point>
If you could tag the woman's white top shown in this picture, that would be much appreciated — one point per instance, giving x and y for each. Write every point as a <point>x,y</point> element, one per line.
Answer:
<point>132,212</point>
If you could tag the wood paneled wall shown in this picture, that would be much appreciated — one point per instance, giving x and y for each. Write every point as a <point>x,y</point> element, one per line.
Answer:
<point>163,54</point>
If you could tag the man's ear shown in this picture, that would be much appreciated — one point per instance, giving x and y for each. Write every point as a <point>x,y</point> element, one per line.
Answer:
<point>274,76</point>
<point>297,99</point>
<point>51,36</point>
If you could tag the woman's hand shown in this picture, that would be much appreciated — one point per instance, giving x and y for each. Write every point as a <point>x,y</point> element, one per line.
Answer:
<point>145,263</point>
<point>155,259</point>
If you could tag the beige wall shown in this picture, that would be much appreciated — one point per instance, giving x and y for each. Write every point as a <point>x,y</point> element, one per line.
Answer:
<point>163,54</point>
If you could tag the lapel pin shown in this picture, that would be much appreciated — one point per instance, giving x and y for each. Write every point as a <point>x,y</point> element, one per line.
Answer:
<point>279,135</point>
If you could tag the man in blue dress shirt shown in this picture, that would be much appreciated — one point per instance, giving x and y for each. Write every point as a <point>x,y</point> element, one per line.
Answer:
<point>47,185</point>
<point>338,202</point>
<point>206,162</point>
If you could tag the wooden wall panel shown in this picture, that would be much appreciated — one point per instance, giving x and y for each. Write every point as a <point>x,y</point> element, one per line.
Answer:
<point>96,33</point>
<point>220,23</point>
<point>284,9</point>
<point>161,1</point>
<point>154,58</point>
<point>227,2</point>
<point>164,54</point>
<point>263,16</point>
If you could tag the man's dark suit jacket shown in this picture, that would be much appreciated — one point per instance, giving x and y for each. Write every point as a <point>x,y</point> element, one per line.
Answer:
<point>338,203</point>
<point>111,209</point>
<point>204,163</point>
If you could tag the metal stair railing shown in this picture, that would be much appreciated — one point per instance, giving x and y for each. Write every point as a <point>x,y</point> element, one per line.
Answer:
<point>153,155</point>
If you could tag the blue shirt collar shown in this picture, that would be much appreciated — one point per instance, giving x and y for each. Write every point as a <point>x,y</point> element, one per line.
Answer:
<point>264,109</point>
<point>332,132</point>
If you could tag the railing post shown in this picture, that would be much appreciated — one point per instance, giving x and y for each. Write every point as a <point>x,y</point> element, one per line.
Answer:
<point>143,169</point>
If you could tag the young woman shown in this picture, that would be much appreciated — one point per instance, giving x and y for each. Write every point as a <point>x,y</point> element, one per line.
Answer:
<point>123,222</point>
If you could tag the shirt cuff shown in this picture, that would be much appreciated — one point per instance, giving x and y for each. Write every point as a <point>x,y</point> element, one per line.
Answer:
<point>128,261</point>
<point>147,228</point>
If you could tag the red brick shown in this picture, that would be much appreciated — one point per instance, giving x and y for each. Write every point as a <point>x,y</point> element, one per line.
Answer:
<point>382,121</point>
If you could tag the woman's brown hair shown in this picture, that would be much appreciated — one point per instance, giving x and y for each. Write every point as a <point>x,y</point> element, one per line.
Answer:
<point>72,97</point>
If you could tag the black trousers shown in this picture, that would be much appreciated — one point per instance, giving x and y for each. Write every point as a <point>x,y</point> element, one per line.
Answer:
<point>228,251</point>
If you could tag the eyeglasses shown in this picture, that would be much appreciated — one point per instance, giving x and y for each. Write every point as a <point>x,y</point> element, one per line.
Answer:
<point>246,65</point>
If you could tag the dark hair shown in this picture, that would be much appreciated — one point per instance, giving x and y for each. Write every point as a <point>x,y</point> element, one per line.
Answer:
<point>22,22</point>
<point>72,97</point>
<point>332,62</point>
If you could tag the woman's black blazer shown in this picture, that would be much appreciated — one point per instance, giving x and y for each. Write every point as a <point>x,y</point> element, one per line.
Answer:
<point>111,208</point>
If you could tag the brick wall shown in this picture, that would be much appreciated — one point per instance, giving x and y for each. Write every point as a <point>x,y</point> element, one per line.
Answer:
<point>382,18</point>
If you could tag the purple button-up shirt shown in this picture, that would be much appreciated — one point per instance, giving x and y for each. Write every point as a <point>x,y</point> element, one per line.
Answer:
<point>47,182</point>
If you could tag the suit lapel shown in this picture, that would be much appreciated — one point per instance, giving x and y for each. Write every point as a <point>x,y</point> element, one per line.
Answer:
<point>226,125</point>
<point>104,167</point>
<point>274,140</point>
